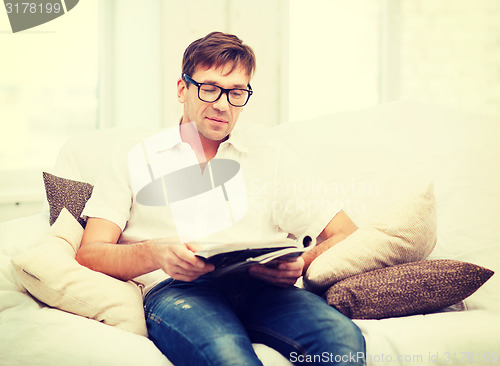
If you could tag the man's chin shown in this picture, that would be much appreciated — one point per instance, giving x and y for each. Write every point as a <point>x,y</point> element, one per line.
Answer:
<point>216,135</point>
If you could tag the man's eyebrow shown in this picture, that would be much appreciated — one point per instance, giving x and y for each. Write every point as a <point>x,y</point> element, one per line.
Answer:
<point>235,86</point>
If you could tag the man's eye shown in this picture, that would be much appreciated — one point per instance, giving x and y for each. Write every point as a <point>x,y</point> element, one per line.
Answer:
<point>236,93</point>
<point>209,90</point>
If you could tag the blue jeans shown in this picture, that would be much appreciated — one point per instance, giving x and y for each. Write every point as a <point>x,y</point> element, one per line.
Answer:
<point>213,321</point>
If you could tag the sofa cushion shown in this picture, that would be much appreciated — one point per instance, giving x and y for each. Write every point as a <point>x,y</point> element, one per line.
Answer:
<point>50,273</point>
<point>412,288</point>
<point>65,193</point>
<point>405,233</point>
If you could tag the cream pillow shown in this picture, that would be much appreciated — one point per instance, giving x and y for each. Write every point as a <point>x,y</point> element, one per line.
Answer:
<point>406,233</point>
<point>50,273</point>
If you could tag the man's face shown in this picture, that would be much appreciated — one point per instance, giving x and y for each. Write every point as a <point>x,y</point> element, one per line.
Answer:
<point>216,120</point>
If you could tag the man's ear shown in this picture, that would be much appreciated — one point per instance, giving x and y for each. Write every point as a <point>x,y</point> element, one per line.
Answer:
<point>181,90</point>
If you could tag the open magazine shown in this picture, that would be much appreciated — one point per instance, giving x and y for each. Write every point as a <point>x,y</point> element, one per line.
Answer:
<point>236,257</point>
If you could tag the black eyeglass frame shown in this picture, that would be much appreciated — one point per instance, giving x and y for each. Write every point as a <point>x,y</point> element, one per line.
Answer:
<point>190,80</point>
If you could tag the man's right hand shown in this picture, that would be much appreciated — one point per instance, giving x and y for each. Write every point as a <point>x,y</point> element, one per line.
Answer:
<point>99,252</point>
<point>179,260</point>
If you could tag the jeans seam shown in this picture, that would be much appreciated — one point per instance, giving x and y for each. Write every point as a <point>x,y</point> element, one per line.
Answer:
<point>159,320</point>
<point>154,318</point>
<point>297,346</point>
<point>240,291</point>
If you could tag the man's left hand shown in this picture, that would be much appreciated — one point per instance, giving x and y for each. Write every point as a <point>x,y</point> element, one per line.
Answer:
<point>285,274</point>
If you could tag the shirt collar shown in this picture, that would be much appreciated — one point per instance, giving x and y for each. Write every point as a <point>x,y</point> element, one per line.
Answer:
<point>236,139</point>
<point>167,139</point>
<point>171,137</point>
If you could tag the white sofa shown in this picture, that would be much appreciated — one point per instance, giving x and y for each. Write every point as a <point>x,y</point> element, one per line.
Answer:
<point>371,156</point>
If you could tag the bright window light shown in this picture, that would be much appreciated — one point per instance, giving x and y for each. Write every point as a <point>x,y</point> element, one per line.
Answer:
<point>48,86</point>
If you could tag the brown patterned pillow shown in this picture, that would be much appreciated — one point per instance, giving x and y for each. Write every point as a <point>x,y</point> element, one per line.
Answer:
<point>65,193</point>
<point>413,288</point>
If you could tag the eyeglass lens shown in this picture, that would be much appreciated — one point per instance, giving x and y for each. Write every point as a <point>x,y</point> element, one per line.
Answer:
<point>211,93</point>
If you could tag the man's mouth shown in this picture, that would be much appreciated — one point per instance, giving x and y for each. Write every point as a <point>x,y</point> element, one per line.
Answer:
<point>217,120</point>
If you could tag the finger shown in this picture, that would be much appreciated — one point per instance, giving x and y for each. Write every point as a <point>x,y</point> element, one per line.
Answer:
<point>186,271</point>
<point>282,282</point>
<point>287,268</point>
<point>192,246</point>
<point>182,270</point>
<point>281,277</point>
<point>186,267</point>
<point>183,277</point>
<point>279,272</point>
<point>178,272</point>
<point>283,270</point>
<point>291,266</point>
<point>188,260</point>
<point>275,275</point>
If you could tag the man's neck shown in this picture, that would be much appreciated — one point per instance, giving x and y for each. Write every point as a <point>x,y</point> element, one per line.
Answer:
<point>209,148</point>
<point>205,149</point>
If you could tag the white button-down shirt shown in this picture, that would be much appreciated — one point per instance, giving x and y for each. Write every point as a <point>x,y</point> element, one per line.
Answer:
<point>274,207</point>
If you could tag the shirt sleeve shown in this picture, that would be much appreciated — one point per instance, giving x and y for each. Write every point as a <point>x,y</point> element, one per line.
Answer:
<point>112,196</point>
<point>300,206</point>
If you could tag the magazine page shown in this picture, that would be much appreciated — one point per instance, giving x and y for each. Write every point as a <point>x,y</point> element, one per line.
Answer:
<point>238,256</point>
<point>210,249</point>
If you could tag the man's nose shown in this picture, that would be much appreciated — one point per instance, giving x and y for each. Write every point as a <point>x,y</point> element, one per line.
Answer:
<point>222,104</point>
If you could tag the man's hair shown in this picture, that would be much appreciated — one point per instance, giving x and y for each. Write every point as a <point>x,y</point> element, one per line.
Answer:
<point>218,49</point>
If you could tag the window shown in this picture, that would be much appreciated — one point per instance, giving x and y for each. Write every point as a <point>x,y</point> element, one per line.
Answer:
<point>450,53</point>
<point>356,54</point>
<point>48,86</point>
<point>334,56</point>
<point>48,92</point>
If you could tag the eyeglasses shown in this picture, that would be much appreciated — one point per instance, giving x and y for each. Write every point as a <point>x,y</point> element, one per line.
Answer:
<point>211,93</point>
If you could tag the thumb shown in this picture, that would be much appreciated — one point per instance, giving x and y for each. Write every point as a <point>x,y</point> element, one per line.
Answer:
<point>194,247</point>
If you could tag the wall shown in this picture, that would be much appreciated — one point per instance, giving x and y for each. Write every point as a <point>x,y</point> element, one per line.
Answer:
<point>261,24</point>
<point>450,53</point>
<point>334,56</point>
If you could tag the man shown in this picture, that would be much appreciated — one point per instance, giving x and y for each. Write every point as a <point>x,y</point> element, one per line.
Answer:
<point>193,317</point>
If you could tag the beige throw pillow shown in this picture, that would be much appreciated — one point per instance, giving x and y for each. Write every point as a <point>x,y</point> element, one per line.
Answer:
<point>406,233</point>
<point>50,273</point>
